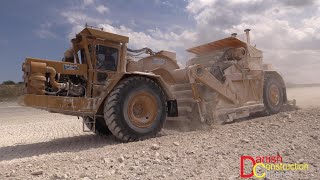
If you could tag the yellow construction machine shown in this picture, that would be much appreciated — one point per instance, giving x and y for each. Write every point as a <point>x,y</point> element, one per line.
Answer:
<point>102,81</point>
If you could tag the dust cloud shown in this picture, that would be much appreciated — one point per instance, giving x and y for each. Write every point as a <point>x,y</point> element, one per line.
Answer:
<point>305,96</point>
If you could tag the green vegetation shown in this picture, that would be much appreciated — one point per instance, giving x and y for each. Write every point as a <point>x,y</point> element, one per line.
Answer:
<point>10,92</point>
<point>9,82</point>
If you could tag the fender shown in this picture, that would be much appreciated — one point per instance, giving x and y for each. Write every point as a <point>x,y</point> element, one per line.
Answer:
<point>157,78</point>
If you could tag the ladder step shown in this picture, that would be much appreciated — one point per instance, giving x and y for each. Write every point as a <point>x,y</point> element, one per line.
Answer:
<point>180,118</point>
<point>183,94</point>
<point>185,101</point>
<point>181,87</point>
<point>184,110</point>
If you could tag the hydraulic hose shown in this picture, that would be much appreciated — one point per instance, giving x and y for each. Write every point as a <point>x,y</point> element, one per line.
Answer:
<point>145,50</point>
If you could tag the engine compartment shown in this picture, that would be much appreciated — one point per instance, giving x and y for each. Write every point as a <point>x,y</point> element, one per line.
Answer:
<point>75,85</point>
<point>50,78</point>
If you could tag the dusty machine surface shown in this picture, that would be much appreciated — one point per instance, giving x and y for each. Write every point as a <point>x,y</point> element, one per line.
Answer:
<point>100,80</point>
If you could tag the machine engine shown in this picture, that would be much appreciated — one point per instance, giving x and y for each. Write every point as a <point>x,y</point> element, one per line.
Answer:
<point>45,80</point>
<point>76,86</point>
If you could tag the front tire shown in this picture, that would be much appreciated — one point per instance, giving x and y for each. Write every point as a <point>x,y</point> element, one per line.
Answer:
<point>135,109</point>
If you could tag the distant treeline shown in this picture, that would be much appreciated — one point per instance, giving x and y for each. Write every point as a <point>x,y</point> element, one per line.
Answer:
<point>9,82</point>
<point>10,91</point>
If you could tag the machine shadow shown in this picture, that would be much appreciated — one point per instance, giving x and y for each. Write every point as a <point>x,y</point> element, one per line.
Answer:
<point>68,144</point>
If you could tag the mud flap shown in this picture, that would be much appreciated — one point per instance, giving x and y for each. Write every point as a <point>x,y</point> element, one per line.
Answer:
<point>172,108</point>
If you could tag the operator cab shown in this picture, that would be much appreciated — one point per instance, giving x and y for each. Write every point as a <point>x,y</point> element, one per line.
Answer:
<point>106,58</point>
<point>101,51</point>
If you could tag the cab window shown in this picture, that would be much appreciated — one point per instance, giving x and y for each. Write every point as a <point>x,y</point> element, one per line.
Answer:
<point>82,56</point>
<point>107,58</point>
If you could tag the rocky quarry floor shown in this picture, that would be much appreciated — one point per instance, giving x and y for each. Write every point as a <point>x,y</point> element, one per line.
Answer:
<point>35,144</point>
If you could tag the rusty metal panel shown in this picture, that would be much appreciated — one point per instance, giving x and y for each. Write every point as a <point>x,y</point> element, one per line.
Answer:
<point>204,76</point>
<point>59,104</point>
<point>252,75</point>
<point>217,45</point>
<point>63,67</point>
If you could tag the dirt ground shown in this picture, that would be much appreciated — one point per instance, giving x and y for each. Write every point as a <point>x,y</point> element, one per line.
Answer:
<point>35,144</point>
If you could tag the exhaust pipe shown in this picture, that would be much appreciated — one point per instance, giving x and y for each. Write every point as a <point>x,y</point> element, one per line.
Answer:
<point>247,35</point>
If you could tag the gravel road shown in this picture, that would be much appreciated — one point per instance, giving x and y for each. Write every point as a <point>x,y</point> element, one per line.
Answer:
<point>35,144</point>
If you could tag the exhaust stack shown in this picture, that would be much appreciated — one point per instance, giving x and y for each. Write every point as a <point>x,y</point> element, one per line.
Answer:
<point>234,35</point>
<point>247,35</point>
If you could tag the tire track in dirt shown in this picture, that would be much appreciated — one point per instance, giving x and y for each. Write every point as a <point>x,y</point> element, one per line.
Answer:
<point>56,145</point>
<point>38,132</point>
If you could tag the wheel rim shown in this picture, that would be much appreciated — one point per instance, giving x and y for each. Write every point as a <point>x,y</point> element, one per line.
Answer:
<point>142,109</point>
<point>274,95</point>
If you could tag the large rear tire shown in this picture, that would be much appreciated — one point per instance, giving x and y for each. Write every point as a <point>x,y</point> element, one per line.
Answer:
<point>272,95</point>
<point>135,109</point>
<point>101,127</point>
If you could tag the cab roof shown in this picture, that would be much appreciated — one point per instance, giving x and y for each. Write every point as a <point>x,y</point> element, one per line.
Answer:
<point>104,35</point>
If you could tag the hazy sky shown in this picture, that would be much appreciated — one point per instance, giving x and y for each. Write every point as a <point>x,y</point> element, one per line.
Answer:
<point>287,31</point>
